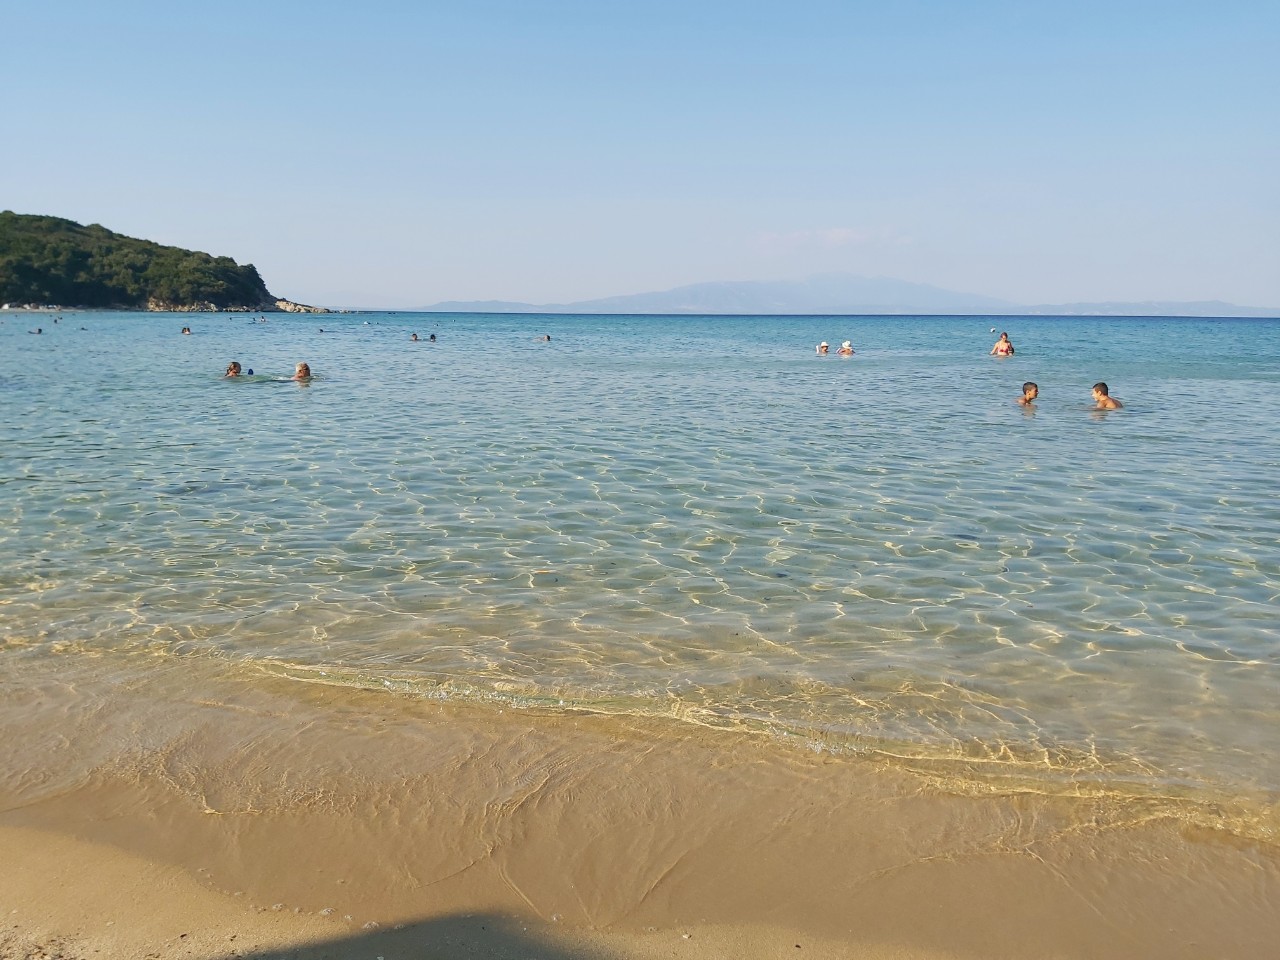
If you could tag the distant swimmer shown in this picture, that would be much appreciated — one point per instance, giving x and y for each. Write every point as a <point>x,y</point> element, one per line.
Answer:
<point>1103,398</point>
<point>1003,347</point>
<point>233,369</point>
<point>36,330</point>
<point>846,349</point>
<point>1029,393</point>
<point>302,372</point>
<point>186,331</point>
<point>545,338</point>
<point>432,338</point>
<point>414,338</point>
<point>823,348</point>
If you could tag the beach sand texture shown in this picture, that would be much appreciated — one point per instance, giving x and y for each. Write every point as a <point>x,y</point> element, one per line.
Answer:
<point>309,821</point>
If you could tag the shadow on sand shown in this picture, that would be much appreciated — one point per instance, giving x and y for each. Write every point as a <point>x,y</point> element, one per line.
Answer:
<point>448,938</point>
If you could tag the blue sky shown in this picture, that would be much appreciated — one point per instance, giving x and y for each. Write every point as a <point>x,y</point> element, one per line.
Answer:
<point>393,154</point>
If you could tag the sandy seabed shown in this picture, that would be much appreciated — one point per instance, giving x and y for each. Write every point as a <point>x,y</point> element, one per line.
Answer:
<point>182,808</point>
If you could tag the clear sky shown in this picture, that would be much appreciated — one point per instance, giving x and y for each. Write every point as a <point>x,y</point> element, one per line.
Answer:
<point>393,154</point>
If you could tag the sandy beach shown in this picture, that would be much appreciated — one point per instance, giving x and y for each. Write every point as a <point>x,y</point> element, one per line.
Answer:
<point>183,810</point>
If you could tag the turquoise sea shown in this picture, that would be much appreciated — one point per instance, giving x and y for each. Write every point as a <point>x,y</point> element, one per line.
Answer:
<point>685,517</point>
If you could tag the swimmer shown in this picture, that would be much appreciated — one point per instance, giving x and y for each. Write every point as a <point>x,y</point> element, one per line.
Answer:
<point>823,348</point>
<point>36,330</point>
<point>545,338</point>
<point>302,372</point>
<point>414,338</point>
<point>846,349</point>
<point>1029,393</point>
<point>1003,347</point>
<point>432,338</point>
<point>1102,397</point>
<point>233,370</point>
<point>186,331</point>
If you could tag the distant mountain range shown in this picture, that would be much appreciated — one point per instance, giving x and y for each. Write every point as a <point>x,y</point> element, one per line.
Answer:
<point>843,294</point>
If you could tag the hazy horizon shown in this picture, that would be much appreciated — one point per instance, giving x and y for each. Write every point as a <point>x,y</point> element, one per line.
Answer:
<point>407,154</point>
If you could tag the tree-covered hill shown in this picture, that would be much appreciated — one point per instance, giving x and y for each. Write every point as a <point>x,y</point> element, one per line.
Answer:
<point>48,260</point>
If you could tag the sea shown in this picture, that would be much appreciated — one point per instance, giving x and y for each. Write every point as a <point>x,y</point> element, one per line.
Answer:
<point>695,519</point>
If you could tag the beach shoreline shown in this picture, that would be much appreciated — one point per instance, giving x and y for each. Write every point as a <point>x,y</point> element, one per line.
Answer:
<point>293,814</point>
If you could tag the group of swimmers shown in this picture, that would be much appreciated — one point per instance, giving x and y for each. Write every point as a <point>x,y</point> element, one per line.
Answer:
<point>846,349</point>
<point>1102,398</point>
<point>1004,348</point>
<point>301,372</point>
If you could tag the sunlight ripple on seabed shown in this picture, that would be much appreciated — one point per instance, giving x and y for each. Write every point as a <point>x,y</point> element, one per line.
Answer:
<point>634,520</point>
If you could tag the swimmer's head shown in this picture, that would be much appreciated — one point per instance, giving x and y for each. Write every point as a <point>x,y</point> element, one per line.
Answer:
<point>1102,389</point>
<point>302,370</point>
<point>233,369</point>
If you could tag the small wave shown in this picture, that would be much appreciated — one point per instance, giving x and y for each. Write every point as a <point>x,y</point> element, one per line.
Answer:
<point>1134,790</point>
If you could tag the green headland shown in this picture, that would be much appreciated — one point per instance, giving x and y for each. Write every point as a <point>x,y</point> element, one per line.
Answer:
<point>48,260</point>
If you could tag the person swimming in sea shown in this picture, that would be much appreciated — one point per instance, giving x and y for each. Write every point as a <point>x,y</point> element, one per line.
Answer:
<point>302,372</point>
<point>846,349</point>
<point>1002,348</point>
<point>186,331</point>
<point>823,348</point>
<point>1029,393</point>
<point>233,370</point>
<point>414,338</point>
<point>1103,399</point>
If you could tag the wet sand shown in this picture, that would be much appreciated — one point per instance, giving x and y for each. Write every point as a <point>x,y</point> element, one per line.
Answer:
<point>163,808</point>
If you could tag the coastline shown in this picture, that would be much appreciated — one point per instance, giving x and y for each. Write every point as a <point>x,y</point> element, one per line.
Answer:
<point>187,795</point>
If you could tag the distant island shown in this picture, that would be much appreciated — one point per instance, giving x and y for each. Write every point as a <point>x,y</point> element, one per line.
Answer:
<point>843,294</point>
<point>51,261</point>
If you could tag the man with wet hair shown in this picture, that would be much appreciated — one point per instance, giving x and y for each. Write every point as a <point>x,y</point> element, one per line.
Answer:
<point>1102,397</point>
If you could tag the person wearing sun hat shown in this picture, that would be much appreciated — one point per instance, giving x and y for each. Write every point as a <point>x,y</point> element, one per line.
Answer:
<point>846,349</point>
<point>823,348</point>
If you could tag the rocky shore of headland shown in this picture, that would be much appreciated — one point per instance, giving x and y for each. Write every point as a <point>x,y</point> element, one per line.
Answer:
<point>288,306</point>
<point>271,306</point>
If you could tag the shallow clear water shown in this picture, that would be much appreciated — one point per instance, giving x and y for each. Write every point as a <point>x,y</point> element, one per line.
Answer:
<point>693,516</point>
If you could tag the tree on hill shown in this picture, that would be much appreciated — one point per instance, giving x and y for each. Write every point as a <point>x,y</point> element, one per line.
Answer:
<point>51,260</point>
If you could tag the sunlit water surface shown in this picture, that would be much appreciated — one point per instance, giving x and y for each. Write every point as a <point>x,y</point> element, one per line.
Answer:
<point>691,517</point>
